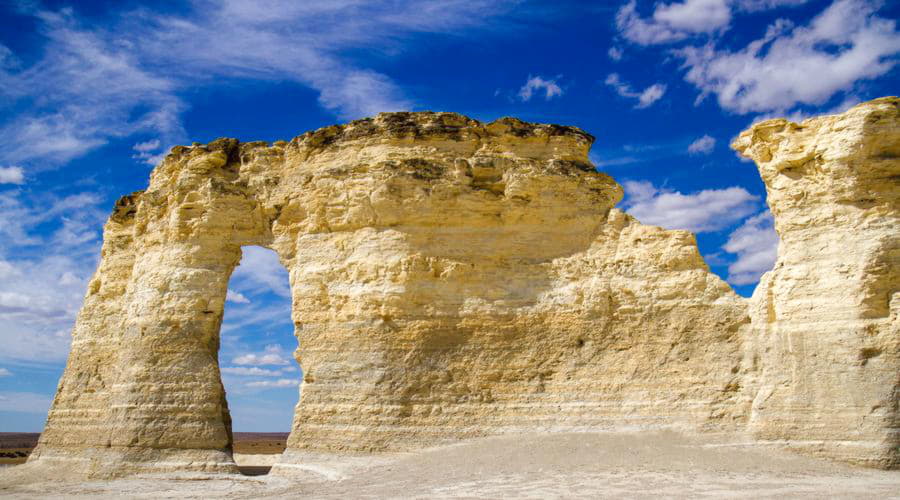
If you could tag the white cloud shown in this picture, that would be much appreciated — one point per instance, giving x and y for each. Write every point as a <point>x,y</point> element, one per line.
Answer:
<point>704,211</point>
<point>149,152</point>
<point>756,244</point>
<point>678,21</point>
<point>716,259</point>
<point>615,53</point>
<point>69,278</point>
<point>261,271</point>
<point>146,147</point>
<point>703,145</point>
<point>272,355</point>
<point>650,95</point>
<point>92,85</point>
<point>25,402</point>
<point>251,371</point>
<point>266,314</point>
<point>236,297</point>
<point>645,97</point>
<point>791,65</point>
<point>12,175</point>
<point>282,382</point>
<point>694,16</point>
<point>7,270</point>
<point>673,22</point>
<point>614,162</point>
<point>259,276</point>
<point>758,5</point>
<point>362,93</point>
<point>43,277</point>
<point>5,372</point>
<point>536,84</point>
<point>88,88</point>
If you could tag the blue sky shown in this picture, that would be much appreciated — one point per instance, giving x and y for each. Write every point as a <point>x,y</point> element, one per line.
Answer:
<point>93,93</point>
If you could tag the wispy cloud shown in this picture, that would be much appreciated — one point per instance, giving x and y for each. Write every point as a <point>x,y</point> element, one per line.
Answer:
<point>756,244</point>
<point>236,297</point>
<point>703,211</point>
<point>282,382</point>
<point>628,154</point>
<point>272,355</point>
<point>12,175</point>
<point>25,402</point>
<point>645,98</point>
<point>259,271</point>
<point>90,86</point>
<point>150,152</point>
<point>43,273</point>
<point>703,145</point>
<point>615,53</point>
<point>536,84</point>
<point>757,5</point>
<point>94,84</point>
<point>251,371</point>
<point>678,21</point>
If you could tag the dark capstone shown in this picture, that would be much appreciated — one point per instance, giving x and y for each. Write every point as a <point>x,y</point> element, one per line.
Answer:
<point>126,206</point>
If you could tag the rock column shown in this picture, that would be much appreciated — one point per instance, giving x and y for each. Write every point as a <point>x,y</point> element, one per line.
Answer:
<point>826,336</point>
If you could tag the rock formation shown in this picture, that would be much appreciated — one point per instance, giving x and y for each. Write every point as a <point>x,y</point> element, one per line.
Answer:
<point>825,335</point>
<point>453,279</point>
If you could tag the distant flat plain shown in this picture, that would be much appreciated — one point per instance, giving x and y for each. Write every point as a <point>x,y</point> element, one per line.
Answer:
<point>16,446</point>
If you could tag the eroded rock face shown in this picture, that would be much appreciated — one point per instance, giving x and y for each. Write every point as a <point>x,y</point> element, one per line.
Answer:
<point>825,336</point>
<point>454,279</point>
<point>449,279</point>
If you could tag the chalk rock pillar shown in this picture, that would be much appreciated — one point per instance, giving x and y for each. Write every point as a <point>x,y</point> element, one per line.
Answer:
<point>826,335</point>
<point>142,390</point>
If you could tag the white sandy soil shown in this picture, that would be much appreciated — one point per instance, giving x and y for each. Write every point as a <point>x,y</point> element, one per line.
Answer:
<point>612,465</point>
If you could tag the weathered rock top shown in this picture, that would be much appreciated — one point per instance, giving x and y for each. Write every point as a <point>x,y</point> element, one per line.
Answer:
<point>847,162</point>
<point>424,127</point>
<point>409,170</point>
<point>864,132</point>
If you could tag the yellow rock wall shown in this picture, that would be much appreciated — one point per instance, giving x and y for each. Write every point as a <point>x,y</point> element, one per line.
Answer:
<point>825,335</point>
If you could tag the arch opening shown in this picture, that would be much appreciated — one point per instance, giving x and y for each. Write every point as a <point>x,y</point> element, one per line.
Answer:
<point>259,372</point>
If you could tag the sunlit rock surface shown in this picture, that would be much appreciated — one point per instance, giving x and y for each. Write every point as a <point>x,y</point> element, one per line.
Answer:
<point>825,336</point>
<point>453,279</point>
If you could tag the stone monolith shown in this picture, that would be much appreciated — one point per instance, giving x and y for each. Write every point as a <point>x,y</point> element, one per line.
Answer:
<point>825,335</point>
<point>454,279</point>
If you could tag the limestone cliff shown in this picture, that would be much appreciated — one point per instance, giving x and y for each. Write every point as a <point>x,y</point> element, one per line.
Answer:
<point>449,279</point>
<point>825,336</point>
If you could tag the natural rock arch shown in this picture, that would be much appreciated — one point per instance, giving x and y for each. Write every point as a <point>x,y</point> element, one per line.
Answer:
<point>449,279</point>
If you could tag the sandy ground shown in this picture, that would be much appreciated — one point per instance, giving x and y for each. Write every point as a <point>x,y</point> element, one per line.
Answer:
<point>640,465</point>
